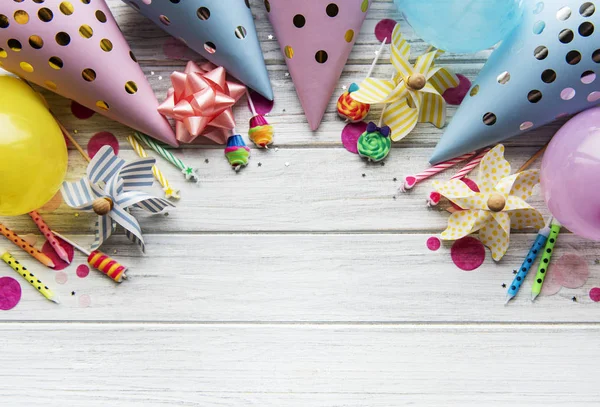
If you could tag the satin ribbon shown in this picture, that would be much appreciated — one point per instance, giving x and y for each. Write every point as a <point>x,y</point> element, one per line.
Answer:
<point>385,131</point>
<point>200,102</point>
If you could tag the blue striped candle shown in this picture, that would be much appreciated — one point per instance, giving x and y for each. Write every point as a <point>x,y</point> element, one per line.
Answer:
<point>537,247</point>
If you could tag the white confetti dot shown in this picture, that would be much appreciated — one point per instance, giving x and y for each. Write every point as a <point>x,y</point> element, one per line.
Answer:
<point>287,164</point>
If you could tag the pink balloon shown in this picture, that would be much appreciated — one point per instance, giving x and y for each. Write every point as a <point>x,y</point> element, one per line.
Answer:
<point>570,174</point>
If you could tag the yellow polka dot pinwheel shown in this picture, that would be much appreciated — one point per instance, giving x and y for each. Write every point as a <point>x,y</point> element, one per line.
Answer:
<point>414,94</point>
<point>497,207</point>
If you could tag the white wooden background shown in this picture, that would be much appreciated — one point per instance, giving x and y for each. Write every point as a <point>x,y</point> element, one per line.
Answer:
<point>297,283</point>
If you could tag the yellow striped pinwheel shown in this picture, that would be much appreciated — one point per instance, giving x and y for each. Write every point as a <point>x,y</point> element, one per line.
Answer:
<point>497,207</point>
<point>414,94</point>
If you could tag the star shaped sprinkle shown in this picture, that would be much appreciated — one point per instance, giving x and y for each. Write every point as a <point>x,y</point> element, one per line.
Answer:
<point>190,173</point>
<point>171,193</point>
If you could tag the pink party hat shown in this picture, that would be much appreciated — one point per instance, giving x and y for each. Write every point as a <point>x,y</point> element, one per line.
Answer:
<point>316,37</point>
<point>75,48</point>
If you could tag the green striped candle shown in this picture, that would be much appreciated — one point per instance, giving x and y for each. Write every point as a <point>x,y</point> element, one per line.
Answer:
<point>189,172</point>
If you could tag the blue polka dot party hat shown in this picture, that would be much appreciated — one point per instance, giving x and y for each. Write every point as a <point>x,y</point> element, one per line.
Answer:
<point>222,31</point>
<point>544,70</point>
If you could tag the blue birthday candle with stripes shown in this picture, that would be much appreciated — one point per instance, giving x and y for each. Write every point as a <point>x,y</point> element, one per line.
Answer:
<point>537,247</point>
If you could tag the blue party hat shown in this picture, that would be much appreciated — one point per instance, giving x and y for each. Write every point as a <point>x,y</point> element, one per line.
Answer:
<point>545,69</point>
<point>222,31</point>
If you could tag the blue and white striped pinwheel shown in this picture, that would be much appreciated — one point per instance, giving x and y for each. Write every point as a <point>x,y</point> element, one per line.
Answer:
<point>110,189</point>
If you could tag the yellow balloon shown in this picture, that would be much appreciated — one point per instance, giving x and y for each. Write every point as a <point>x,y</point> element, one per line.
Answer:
<point>33,153</point>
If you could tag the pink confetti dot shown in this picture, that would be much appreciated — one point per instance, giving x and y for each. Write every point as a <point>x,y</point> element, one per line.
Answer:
<point>433,243</point>
<point>61,277</point>
<point>58,262</point>
<point>261,103</point>
<point>81,112</point>
<point>53,203</point>
<point>174,48</point>
<point>99,140</point>
<point>82,271</point>
<point>84,301</point>
<point>455,96</point>
<point>551,285</point>
<point>595,294</point>
<point>350,135</point>
<point>10,293</point>
<point>31,239</point>
<point>468,253</point>
<point>571,271</point>
<point>384,30</point>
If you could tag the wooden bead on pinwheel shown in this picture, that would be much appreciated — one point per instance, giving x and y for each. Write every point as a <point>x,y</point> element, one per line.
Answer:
<point>416,81</point>
<point>496,202</point>
<point>102,206</point>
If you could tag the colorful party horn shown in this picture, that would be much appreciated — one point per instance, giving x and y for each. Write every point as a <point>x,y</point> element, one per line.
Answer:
<point>75,48</point>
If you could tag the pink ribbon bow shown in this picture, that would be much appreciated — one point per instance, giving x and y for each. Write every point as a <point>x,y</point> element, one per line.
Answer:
<point>200,102</point>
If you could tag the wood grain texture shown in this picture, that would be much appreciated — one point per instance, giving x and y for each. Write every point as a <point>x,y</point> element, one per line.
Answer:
<point>297,365</point>
<point>303,278</point>
<point>299,282</point>
<point>308,189</point>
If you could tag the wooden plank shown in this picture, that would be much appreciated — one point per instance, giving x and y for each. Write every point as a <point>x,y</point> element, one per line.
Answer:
<point>303,277</point>
<point>298,365</point>
<point>293,190</point>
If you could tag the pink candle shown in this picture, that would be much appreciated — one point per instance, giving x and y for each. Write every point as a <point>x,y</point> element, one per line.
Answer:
<point>411,180</point>
<point>435,197</point>
<point>60,251</point>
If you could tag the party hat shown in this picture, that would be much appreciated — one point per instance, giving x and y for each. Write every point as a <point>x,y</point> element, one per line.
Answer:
<point>545,69</point>
<point>222,31</point>
<point>76,49</point>
<point>316,37</point>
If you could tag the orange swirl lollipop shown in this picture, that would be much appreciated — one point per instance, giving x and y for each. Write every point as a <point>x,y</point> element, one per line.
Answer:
<point>350,109</point>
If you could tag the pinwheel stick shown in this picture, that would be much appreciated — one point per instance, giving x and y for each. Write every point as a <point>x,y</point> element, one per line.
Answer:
<point>72,140</point>
<point>384,106</point>
<point>376,59</point>
<point>534,157</point>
